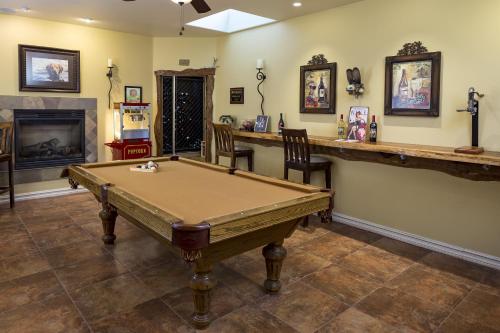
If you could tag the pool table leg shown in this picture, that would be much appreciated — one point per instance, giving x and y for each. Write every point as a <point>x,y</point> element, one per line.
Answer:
<point>202,283</point>
<point>108,216</point>
<point>274,253</point>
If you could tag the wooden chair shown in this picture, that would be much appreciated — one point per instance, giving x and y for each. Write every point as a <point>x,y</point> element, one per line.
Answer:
<point>6,136</point>
<point>224,146</point>
<point>298,157</point>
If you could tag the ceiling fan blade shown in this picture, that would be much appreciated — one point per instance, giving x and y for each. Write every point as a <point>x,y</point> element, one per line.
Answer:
<point>200,6</point>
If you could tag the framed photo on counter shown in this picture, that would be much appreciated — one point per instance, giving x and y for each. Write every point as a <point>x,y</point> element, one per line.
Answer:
<point>133,94</point>
<point>261,124</point>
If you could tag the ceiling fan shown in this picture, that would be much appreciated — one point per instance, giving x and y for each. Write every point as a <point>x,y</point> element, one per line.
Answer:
<point>199,5</point>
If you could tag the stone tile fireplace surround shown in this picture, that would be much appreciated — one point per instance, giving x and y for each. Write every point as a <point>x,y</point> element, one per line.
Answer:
<point>10,103</point>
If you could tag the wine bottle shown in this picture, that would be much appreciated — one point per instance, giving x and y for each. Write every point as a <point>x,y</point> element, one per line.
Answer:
<point>342,128</point>
<point>322,93</point>
<point>373,130</point>
<point>281,124</point>
<point>403,87</point>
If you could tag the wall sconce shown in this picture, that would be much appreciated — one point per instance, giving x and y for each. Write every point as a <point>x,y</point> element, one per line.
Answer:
<point>261,77</point>
<point>109,74</point>
<point>355,86</point>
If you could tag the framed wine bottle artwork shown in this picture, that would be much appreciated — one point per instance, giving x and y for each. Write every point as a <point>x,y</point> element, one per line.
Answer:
<point>318,87</point>
<point>412,85</point>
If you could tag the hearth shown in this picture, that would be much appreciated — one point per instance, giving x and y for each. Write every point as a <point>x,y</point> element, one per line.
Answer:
<point>48,138</point>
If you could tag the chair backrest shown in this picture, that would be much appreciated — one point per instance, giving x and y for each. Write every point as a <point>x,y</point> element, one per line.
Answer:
<point>224,141</point>
<point>296,146</point>
<point>6,135</point>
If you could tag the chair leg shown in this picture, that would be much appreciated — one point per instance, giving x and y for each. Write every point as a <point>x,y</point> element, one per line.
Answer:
<point>233,161</point>
<point>306,177</point>
<point>285,173</point>
<point>328,177</point>
<point>11,184</point>
<point>250,162</point>
<point>216,159</point>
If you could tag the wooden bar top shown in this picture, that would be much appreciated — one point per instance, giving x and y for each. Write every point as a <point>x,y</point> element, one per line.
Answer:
<point>489,158</point>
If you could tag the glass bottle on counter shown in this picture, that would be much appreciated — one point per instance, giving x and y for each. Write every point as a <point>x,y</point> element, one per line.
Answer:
<point>373,130</point>
<point>342,128</point>
<point>281,124</point>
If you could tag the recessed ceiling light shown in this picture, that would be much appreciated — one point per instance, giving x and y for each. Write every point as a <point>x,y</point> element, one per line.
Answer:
<point>230,20</point>
<point>87,20</point>
<point>297,4</point>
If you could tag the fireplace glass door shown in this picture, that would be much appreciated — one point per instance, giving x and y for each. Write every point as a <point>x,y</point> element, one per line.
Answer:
<point>48,138</point>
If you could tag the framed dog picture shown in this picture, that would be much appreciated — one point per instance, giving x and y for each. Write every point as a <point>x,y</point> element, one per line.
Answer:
<point>48,69</point>
<point>412,85</point>
<point>318,86</point>
<point>133,94</point>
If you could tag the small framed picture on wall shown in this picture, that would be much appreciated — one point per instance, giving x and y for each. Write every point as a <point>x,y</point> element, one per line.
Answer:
<point>133,94</point>
<point>237,96</point>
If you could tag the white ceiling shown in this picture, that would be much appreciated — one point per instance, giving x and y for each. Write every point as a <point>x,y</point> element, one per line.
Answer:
<point>158,17</point>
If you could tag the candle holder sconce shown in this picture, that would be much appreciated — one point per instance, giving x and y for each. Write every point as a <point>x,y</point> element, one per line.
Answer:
<point>109,74</point>
<point>355,87</point>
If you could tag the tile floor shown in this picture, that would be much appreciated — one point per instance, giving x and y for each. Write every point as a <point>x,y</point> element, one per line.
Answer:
<point>57,276</point>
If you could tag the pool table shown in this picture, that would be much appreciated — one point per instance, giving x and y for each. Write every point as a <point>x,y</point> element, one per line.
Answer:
<point>203,212</point>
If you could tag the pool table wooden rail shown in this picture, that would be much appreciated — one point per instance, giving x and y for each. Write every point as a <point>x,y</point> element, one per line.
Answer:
<point>163,223</point>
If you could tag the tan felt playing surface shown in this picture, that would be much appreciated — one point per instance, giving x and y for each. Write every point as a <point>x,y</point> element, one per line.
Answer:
<point>195,193</point>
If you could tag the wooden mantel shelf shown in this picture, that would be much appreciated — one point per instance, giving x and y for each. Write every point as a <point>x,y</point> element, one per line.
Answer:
<point>484,167</point>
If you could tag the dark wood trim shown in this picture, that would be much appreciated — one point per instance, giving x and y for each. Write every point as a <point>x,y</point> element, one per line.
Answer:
<point>435,57</point>
<point>209,77</point>
<point>332,88</point>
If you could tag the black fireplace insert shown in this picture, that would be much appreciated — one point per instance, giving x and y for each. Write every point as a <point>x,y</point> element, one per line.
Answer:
<point>48,138</point>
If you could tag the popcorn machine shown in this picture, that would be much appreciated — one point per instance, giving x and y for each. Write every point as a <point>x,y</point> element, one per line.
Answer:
<point>132,131</point>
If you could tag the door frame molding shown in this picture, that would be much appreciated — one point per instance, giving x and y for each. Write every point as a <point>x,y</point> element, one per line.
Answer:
<point>208,74</point>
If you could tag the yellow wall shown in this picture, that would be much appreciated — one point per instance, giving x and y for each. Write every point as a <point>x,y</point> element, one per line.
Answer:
<point>426,203</point>
<point>131,53</point>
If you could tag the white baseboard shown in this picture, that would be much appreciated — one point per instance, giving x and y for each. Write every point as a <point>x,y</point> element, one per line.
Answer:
<point>427,243</point>
<point>43,194</point>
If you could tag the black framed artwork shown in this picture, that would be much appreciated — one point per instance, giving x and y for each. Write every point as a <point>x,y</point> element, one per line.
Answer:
<point>133,94</point>
<point>237,95</point>
<point>48,69</point>
<point>318,87</point>
<point>412,85</point>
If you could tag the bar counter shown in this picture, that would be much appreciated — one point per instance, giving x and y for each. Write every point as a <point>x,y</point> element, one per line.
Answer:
<point>483,167</point>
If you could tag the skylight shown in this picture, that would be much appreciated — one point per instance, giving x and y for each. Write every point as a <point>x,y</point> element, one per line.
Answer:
<point>230,20</point>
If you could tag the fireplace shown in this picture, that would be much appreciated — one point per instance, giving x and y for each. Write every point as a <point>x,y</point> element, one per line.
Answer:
<point>48,138</point>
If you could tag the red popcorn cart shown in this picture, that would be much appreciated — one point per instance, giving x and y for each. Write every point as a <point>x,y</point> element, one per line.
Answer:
<point>132,131</point>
